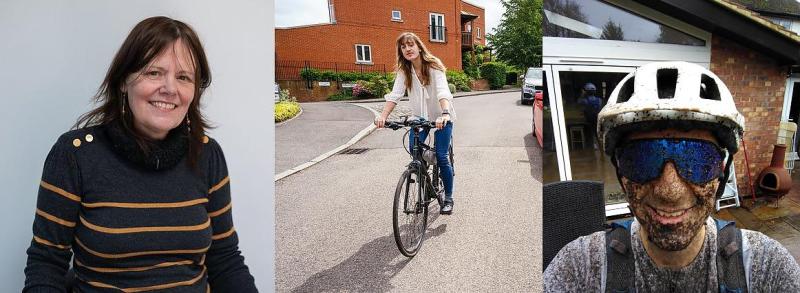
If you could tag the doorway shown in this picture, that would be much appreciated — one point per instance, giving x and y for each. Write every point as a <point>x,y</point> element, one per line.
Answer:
<point>570,126</point>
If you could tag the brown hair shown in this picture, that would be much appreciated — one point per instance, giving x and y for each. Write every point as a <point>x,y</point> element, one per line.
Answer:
<point>144,43</point>
<point>428,60</point>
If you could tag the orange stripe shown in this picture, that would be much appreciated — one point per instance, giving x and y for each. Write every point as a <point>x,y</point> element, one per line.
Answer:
<point>221,211</point>
<point>223,235</point>
<point>48,243</point>
<point>136,269</point>
<point>150,288</point>
<point>144,229</point>
<point>220,184</point>
<point>140,253</point>
<point>55,219</point>
<point>60,191</point>
<point>156,205</point>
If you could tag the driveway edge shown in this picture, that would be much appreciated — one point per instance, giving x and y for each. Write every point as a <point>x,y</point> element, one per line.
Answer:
<point>361,134</point>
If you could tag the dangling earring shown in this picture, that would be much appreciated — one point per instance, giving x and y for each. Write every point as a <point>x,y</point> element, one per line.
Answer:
<point>124,101</point>
<point>188,123</point>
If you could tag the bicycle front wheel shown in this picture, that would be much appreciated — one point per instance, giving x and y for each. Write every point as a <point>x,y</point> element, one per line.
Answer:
<point>410,214</point>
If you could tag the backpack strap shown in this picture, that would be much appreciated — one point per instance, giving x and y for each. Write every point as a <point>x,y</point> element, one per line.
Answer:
<point>730,260</point>
<point>620,273</point>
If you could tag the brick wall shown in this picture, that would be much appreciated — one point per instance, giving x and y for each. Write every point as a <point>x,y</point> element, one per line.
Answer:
<point>476,23</point>
<point>369,23</point>
<point>757,83</point>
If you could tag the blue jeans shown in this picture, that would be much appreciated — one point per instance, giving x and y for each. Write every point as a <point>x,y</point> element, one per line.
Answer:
<point>441,141</point>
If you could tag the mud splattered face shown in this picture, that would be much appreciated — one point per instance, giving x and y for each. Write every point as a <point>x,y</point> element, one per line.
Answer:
<point>669,208</point>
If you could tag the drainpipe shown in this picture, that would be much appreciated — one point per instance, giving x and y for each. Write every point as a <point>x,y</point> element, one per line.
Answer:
<point>331,11</point>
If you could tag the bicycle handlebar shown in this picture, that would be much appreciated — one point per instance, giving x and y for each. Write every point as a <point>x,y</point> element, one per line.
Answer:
<point>395,125</point>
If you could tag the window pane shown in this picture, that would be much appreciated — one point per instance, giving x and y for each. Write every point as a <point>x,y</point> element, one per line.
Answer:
<point>433,27</point>
<point>593,19</point>
<point>360,53</point>
<point>395,14</point>
<point>367,54</point>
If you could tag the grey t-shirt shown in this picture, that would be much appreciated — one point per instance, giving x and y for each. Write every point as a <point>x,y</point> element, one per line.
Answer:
<point>580,266</point>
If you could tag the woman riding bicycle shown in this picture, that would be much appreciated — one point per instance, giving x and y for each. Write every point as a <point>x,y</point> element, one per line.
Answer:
<point>423,76</point>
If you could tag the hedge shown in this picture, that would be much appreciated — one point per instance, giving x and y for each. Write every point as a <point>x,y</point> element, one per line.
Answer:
<point>459,79</point>
<point>313,74</point>
<point>495,73</point>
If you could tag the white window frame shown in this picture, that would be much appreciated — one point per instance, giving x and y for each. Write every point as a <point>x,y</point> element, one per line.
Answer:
<point>367,59</point>
<point>399,15</point>
<point>478,30</point>
<point>443,37</point>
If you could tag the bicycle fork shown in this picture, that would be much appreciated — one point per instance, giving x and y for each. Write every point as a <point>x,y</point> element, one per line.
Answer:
<point>418,206</point>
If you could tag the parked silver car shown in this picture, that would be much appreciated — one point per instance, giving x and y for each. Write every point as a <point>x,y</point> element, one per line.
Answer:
<point>531,85</point>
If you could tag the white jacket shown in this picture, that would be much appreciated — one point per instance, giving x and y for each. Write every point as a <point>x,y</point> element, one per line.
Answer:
<point>424,100</point>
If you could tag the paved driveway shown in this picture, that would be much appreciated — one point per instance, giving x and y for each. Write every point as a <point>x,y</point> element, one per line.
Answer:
<point>321,128</point>
<point>334,219</point>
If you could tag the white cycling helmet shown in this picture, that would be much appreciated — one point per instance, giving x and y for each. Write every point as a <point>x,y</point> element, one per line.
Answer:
<point>662,95</point>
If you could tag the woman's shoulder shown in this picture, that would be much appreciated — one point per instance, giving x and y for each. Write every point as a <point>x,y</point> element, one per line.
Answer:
<point>77,138</point>
<point>212,151</point>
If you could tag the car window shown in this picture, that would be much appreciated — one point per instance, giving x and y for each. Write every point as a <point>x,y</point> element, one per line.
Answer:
<point>535,73</point>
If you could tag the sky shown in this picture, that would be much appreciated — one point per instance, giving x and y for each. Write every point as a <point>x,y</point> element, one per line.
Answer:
<point>302,12</point>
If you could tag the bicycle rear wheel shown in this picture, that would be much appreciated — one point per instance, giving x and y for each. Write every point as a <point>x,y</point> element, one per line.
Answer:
<point>410,215</point>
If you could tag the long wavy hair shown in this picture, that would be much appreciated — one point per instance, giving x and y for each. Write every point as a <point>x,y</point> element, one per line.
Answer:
<point>148,39</point>
<point>428,60</point>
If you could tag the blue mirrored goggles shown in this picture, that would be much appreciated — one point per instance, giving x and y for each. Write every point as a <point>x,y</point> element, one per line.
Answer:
<point>697,161</point>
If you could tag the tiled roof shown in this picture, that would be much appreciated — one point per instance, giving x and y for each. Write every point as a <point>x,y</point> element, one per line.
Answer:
<point>744,11</point>
<point>774,6</point>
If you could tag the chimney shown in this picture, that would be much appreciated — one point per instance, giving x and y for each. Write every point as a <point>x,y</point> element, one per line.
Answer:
<point>331,11</point>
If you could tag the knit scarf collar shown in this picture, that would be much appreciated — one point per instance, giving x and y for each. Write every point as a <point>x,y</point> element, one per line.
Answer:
<point>161,155</point>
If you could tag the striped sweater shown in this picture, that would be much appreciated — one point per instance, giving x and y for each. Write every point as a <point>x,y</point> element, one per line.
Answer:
<point>132,229</point>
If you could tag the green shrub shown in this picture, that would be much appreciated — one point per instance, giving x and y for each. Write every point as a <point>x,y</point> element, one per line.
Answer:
<point>495,73</point>
<point>285,110</point>
<point>379,85</point>
<point>459,79</point>
<point>512,74</point>
<point>309,74</point>
<point>343,95</point>
<point>452,87</point>
<point>470,66</point>
<point>313,74</point>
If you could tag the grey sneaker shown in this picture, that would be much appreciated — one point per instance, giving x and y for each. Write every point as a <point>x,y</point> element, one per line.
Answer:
<point>447,208</point>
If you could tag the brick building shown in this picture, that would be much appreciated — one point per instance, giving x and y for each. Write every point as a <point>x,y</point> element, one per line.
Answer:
<point>361,34</point>
<point>602,41</point>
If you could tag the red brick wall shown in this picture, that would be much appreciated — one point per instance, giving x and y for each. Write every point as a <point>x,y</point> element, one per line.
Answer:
<point>476,23</point>
<point>757,83</point>
<point>369,23</point>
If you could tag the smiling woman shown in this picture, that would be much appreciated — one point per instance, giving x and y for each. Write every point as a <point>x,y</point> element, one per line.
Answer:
<point>137,191</point>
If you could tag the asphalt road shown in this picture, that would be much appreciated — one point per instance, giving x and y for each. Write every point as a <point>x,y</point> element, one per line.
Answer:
<point>334,219</point>
<point>325,126</point>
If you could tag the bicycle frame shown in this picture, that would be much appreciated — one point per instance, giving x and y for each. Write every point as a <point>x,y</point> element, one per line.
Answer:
<point>419,164</point>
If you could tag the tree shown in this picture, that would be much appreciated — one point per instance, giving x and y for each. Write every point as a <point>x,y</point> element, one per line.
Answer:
<point>612,31</point>
<point>568,9</point>
<point>518,38</point>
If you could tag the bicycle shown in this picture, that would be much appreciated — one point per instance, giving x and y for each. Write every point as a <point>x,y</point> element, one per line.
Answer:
<point>419,185</point>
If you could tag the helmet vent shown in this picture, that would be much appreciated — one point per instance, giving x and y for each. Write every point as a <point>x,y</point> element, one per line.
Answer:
<point>709,89</point>
<point>626,91</point>
<point>666,80</point>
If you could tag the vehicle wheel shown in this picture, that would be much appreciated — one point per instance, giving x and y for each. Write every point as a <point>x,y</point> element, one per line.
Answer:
<point>410,216</point>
